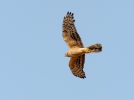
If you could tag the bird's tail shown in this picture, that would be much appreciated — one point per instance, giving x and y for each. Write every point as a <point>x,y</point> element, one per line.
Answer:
<point>95,48</point>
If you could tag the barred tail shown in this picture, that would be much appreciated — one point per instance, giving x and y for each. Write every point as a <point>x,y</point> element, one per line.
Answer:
<point>95,48</point>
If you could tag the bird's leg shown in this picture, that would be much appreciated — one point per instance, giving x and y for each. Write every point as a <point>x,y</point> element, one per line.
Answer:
<point>87,50</point>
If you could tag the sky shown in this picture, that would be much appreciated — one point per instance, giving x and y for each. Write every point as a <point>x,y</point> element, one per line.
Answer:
<point>32,62</point>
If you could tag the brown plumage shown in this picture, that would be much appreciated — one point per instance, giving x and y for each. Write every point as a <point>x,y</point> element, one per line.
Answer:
<point>76,49</point>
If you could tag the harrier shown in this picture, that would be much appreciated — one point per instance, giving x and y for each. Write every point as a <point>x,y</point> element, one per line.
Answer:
<point>76,49</point>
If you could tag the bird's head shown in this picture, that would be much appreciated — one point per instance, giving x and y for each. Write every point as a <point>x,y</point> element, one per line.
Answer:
<point>66,55</point>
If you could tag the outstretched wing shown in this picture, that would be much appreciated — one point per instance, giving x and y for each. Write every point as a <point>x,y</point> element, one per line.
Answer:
<point>69,32</point>
<point>76,65</point>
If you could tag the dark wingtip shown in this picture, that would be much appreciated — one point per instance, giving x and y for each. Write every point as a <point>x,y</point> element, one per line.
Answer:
<point>72,14</point>
<point>83,77</point>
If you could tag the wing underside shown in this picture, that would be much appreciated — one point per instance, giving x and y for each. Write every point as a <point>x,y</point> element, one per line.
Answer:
<point>76,65</point>
<point>69,32</point>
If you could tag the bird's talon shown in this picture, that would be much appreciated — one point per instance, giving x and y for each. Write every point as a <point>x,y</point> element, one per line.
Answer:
<point>87,50</point>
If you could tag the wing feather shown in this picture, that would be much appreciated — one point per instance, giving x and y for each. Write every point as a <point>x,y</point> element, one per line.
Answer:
<point>69,32</point>
<point>76,65</point>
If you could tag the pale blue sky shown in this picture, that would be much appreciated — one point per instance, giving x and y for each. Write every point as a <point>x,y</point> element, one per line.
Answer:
<point>32,62</point>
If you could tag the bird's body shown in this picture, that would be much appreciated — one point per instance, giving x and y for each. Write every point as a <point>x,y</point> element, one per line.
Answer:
<point>76,49</point>
<point>76,52</point>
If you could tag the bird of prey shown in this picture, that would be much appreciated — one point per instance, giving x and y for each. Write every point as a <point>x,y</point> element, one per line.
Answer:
<point>76,49</point>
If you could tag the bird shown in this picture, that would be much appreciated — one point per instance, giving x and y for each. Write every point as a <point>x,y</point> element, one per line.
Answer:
<point>76,50</point>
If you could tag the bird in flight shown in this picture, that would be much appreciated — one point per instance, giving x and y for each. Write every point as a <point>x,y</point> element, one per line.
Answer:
<point>76,49</point>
